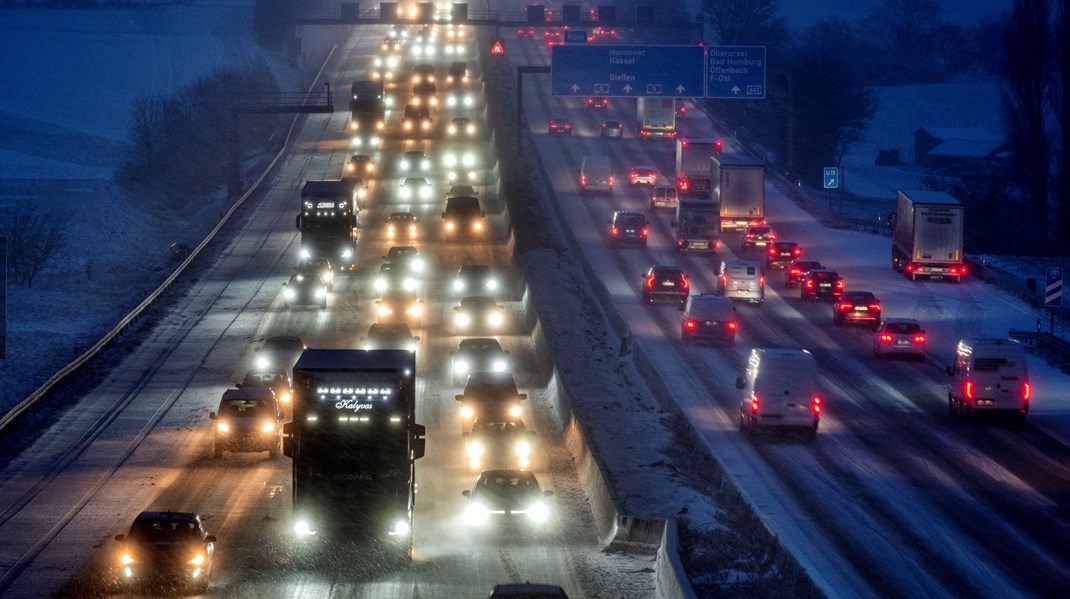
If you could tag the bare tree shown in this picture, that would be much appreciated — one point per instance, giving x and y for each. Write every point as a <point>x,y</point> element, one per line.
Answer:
<point>34,237</point>
<point>1026,84</point>
<point>742,22</point>
<point>1061,102</point>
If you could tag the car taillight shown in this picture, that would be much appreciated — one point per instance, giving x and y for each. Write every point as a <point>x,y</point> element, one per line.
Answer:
<point>754,403</point>
<point>886,338</point>
<point>731,325</point>
<point>809,283</point>
<point>1027,390</point>
<point>817,404</point>
<point>615,231</point>
<point>644,232</point>
<point>684,184</point>
<point>611,180</point>
<point>761,280</point>
<point>794,272</point>
<point>911,266</point>
<point>845,307</point>
<point>724,279</point>
<point>690,323</point>
<point>567,126</point>
<point>634,174</point>
<point>919,338</point>
<point>967,389</point>
<point>771,236</point>
<point>874,307</point>
<point>650,281</point>
<point>772,251</point>
<point>684,282</point>
<point>797,252</point>
<point>839,284</point>
<point>583,179</point>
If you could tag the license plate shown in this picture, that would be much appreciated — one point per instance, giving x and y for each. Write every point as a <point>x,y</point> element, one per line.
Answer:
<point>902,342</point>
<point>824,284</point>
<point>862,308</point>
<point>668,284</point>
<point>985,403</point>
<point>629,230</point>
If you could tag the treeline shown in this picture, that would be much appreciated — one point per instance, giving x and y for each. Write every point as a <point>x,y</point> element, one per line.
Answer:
<point>820,100</point>
<point>189,142</point>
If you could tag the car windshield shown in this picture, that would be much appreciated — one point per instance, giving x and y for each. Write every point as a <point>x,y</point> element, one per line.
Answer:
<point>903,328</point>
<point>479,345</point>
<point>165,530</point>
<point>502,485</point>
<point>629,220</point>
<point>244,408</point>
<point>263,379</point>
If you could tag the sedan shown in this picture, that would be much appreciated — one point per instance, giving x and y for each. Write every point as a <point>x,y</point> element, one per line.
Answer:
<point>504,444</point>
<point>415,187</point>
<point>460,99</point>
<point>414,160</point>
<point>402,225</point>
<point>613,129</point>
<point>857,306</point>
<point>902,336</point>
<point>797,270</point>
<point>821,283</point>
<point>643,175</point>
<point>758,236</point>
<point>474,278</point>
<point>394,335</point>
<point>359,165</point>
<point>408,257</point>
<point>461,126</point>
<point>781,254</point>
<point>169,550</point>
<point>559,127</point>
<point>478,354</point>
<point>597,103</point>
<point>478,312</point>
<point>503,497</point>
<point>398,306</point>
<point>394,277</point>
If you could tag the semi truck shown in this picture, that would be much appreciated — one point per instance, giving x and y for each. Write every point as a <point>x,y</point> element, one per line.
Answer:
<point>696,226</point>
<point>354,441</point>
<point>693,165</point>
<point>327,221</point>
<point>739,185</point>
<point>367,114</point>
<point>927,235</point>
<point>657,117</point>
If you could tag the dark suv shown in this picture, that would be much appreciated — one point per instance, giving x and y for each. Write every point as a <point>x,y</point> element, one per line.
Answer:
<point>667,284</point>
<point>821,283</point>
<point>628,226</point>
<point>490,396</point>
<point>249,419</point>
<point>781,254</point>
<point>857,306</point>
<point>169,550</point>
<point>797,270</point>
<point>463,217</point>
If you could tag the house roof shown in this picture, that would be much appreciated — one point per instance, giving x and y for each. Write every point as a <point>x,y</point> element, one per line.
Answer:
<point>967,148</point>
<point>962,134</point>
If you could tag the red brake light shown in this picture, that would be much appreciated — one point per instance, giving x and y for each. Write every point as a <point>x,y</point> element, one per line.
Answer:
<point>731,325</point>
<point>919,338</point>
<point>683,142</point>
<point>910,267</point>
<point>567,126</point>
<point>772,251</point>
<point>761,280</point>
<point>690,323</point>
<point>886,338</point>
<point>817,404</point>
<point>685,282</point>
<point>615,231</point>
<point>809,283</point>
<point>967,389</point>
<point>718,144</point>
<point>724,279</point>
<point>1027,390</point>
<point>650,281</point>
<point>839,284</point>
<point>874,307</point>
<point>795,271</point>
<point>583,179</point>
<point>754,403</point>
<point>797,252</point>
<point>644,232</point>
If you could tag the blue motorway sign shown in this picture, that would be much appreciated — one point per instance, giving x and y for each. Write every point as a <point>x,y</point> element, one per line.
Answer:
<point>735,72</point>
<point>831,177</point>
<point>575,36</point>
<point>1053,289</point>
<point>627,71</point>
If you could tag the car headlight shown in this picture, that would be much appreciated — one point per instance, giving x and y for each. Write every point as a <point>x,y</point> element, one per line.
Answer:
<point>417,265</point>
<point>515,411</point>
<point>198,560</point>
<point>523,448</point>
<point>458,285</point>
<point>414,310</point>
<point>401,528</point>
<point>425,192</point>
<point>267,427</point>
<point>222,427</point>
<point>408,284</point>
<point>462,319</point>
<point>449,226</point>
<point>347,253</point>
<point>385,310</point>
<point>469,160</point>
<point>452,129</point>
<point>460,366</point>
<point>539,512</point>
<point>305,254</point>
<point>328,276</point>
<point>425,165</point>
<point>495,318</point>
<point>451,101</point>
<point>474,449</point>
<point>467,412</point>
<point>285,397</point>
<point>289,293</point>
<point>405,193</point>
<point>492,284</point>
<point>477,226</point>
<point>471,129</point>
<point>498,366</point>
<point>302,528</point>
<point>321,292</point>
<point>476,513</point>
<point>404,165</point>
<point>468,101</point>
<point>126,558</point>
<point>380,284</point>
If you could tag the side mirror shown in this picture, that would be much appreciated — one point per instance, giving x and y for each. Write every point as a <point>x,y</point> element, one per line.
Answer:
<point>210,539</point>
<point>416,338</point>
<point>740,383</point>
<point>466,493</point>
<point>522,396</point>
<point>120,538</point>
<point>482,214</point>
<point>443,215</point>
<point>458,397</point>
<point>212,416</point>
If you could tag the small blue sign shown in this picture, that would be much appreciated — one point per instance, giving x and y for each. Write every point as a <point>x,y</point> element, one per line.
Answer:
<point>1053,290</point>
<point>735,72</point>
<point>832,177</point>
<point>576,36</point>
<point>627,71</point>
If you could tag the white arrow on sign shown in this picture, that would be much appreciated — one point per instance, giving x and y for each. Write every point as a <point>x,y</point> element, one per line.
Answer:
<point>679,89</point>
<point>627,89</point>
<point>575,88</point>
<point>735,89</point>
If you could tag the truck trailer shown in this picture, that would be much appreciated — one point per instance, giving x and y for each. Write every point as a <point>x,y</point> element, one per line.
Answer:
<point>328,221</point>
<point>739,185</point>
<point>693,165</point>
<point>927,235</point>
<point>367,114</point>
<point>697,226</point>
<point>354,443</point>
<point>657,117</point>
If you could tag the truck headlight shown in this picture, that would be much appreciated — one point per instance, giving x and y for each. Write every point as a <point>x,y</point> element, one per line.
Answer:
<point>523,449</point>
<point>460,366</point>
<point>267,427</point>
<point>515,411</point>
<point>498,366</point>
<point>401,528</point>
<point>539,512</point>
<point>476,513</point>
<point>474,449</point>
<point>289,293</point>
<point>492,284</point>
<point>197,560</point>
<point>495,318</point>
<point>302,528</point>
<point>452,129</point>
<point>462,319</point>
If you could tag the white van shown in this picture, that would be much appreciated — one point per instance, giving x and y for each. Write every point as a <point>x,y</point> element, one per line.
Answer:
<point>742,280</point>
<point>989,376</point>
<point>781,391</point>
<point>596,174</point>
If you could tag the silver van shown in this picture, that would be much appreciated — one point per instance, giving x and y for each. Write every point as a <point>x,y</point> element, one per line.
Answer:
<point>742,280</point>
<point>664,196</point>
<point>989,376</point>
<point>596,174</point>
<point>780,391</point>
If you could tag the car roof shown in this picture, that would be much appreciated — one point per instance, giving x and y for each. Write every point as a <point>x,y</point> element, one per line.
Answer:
<point>415,153</point>
<point>611,122</point>
<point>184,517</point>
<point>414,181</point>
<point>477,300</point>
<point>250,393</point>
<point>461,119</point>
<point>852,295</point>
<point>642,167</point>
<point>491,378</point>
<point>663,268</point>
<point>402,215</point>
<point>390,329</point>
<point>479,342</point>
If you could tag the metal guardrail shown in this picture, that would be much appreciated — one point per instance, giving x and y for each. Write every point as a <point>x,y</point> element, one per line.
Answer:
<point>13,414</point>
<point>1042,340</point>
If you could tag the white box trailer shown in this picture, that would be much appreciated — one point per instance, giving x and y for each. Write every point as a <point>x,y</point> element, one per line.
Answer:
<point>927,235</point>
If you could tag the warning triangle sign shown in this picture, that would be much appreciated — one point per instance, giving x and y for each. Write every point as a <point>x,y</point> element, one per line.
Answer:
<point>497,48</point>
